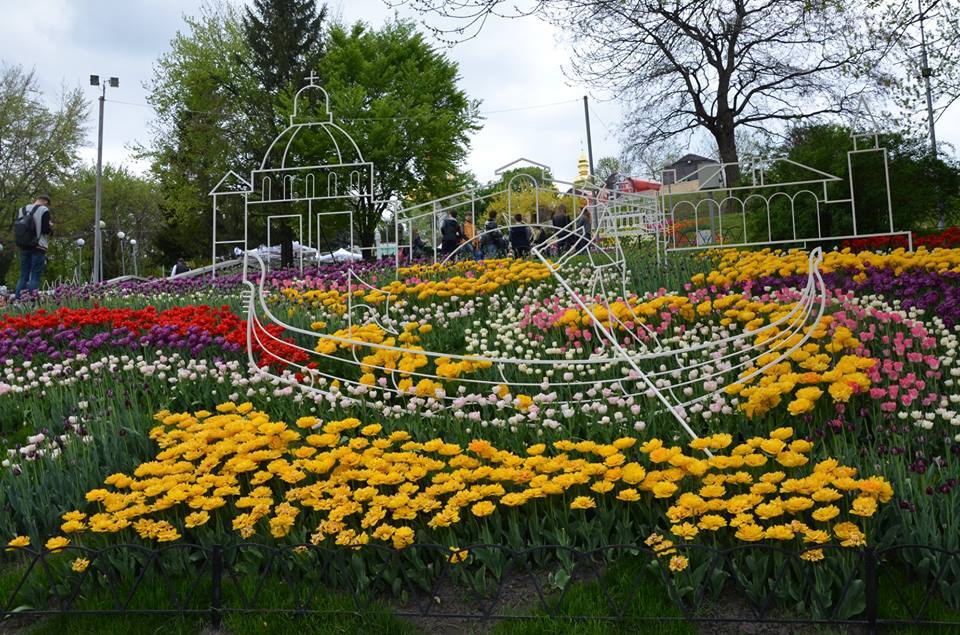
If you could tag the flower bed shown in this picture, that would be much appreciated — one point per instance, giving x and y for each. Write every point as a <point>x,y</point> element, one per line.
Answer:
<point>852,439</point>
<point>948,238</point>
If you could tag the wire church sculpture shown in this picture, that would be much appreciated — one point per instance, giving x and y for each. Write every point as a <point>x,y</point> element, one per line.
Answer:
<point>295,180</point>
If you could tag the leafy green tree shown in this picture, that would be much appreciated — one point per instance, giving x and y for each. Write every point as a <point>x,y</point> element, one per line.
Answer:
<point>533,205</point>
<point>398,98</point>
<point>285,42</point>
<point>131,204</point>
<point>515,194</point>
<point>38,146</point>
<point>393,93</point>
<point>202,91</point>
<point>611,169</point>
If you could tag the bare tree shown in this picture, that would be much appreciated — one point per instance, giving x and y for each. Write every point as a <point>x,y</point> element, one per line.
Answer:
<point>715,65</point>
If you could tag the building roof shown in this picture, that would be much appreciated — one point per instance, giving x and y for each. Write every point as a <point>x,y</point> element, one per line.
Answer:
<point>691,158</point>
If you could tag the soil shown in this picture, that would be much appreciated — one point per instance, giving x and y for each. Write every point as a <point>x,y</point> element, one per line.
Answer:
<point>518,595</point>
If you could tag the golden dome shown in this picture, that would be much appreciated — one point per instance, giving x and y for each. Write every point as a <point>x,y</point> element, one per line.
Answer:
<point>583,166</point>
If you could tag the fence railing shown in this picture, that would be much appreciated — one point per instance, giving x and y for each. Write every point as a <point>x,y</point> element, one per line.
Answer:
<point>751,583</point>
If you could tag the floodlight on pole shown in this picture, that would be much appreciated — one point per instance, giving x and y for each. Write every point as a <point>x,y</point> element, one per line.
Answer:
<point>98,224</point>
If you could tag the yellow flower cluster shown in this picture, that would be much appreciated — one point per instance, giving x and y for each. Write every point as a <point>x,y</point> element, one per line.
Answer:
<point>775,506</point>
<point>486,277</point>
<point>731,265</point>
<point>811,364</point>
<point>402,362</point>
<point>801,371</point>
<point>352,483</point>
<point>634,310</point>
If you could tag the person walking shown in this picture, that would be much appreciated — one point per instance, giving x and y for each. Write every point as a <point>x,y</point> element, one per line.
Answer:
<point>451,234</point>
<point>180,267</point>
<point>560,220</point>
<point>473,243</point>
<point>520,236</point>
<point>31,229</point>
<point>491,243</point>
<point>585,229</point>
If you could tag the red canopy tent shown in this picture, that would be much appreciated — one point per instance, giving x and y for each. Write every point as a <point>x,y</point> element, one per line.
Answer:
<point>637,185</point>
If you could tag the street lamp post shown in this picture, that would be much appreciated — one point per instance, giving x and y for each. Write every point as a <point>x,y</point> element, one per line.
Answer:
<point>97,275</point>
<point>133,254</point>
<point>78,276</point>
<point>123,263</point>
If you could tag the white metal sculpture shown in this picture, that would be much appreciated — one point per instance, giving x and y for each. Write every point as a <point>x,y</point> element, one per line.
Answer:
<point>310,165</point>
<point>589,272</point>
<point>701,210</point>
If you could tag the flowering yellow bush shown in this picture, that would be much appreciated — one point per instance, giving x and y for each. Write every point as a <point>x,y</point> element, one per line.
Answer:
<point>351,483</point>
<point>402,362</point>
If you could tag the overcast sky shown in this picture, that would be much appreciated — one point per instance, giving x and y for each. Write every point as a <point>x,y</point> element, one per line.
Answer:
<point>513,64</point>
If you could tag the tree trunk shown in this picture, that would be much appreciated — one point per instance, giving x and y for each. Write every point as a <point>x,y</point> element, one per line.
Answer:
<point>367,243</point>
<point>727,147</point>
<point>286,247</point>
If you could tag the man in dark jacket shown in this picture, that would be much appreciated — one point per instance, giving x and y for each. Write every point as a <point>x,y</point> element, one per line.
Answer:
<point>180,267</point>
<point>560,220</point>
<point>519,237</point>
<point>35,219</point>
<point>451,234</point>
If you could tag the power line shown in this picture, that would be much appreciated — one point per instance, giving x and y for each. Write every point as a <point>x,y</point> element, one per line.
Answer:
<point>594,114</point>
<point>402,118</point>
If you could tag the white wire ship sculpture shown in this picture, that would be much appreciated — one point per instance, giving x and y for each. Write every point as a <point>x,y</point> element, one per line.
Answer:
<point>589,271</point>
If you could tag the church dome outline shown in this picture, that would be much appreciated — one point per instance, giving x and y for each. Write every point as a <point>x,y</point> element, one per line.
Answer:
<point>302,120</point>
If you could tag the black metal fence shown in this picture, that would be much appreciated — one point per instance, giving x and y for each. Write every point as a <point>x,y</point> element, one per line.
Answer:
<point>750,583</point>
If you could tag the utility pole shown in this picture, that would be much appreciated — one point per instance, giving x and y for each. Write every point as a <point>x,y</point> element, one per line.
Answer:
<point>926,72</point>
<point>586,116</point>
<point>97,274</point>
<point>97,240</point>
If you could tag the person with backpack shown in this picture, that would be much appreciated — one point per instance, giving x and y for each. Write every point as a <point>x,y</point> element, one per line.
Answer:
<point>520,236</point>
<point>451,234</point>
<point>30,230</point>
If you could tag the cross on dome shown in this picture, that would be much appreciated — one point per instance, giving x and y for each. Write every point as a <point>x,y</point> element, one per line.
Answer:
<point>300,117</point>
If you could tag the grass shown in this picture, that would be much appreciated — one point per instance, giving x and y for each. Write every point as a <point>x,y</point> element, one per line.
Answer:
<point>909,595</point>
<point>335,614</point>
<point>627,584</point>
